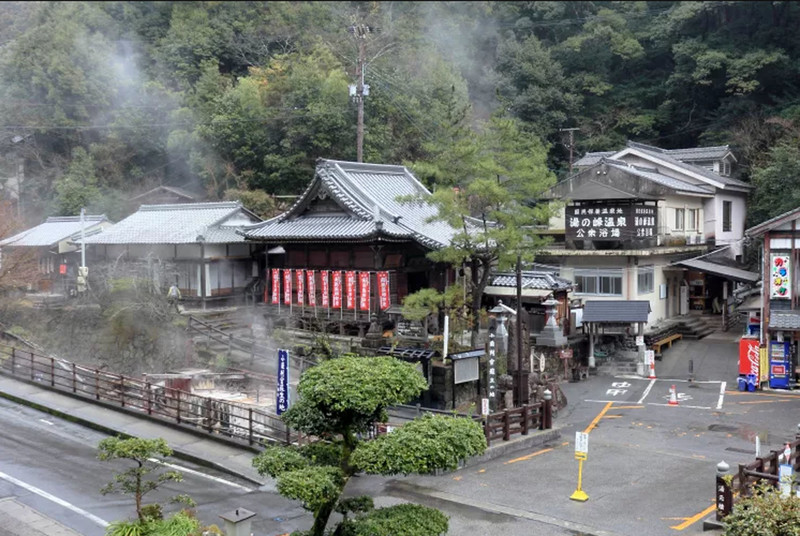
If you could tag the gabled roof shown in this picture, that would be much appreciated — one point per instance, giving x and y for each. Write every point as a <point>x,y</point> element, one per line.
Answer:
<point>366,195</point>
<point>615,312</point>
<point>590,159</point>
<point>180,192</point>
<point>53,231</point>
<point>653,175</point>
<point>188,223</point>
<point>777,221</point>
<point>664,156</point>
<point>699,154</point>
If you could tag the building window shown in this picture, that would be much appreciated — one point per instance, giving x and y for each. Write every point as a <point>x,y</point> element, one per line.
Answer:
<point>726,168</point>
<point>645,279</point>
<point>727,208</point>
<point>680,217</point>
<point>693,219</point>
<point>596,281</point>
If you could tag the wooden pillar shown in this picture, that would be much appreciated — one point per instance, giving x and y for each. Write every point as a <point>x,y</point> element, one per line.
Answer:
<point>592,363</point>
<point>765,291</point>
<point>203,274</point>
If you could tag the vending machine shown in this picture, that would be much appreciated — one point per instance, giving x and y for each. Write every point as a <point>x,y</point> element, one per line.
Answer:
<point>780,364</point>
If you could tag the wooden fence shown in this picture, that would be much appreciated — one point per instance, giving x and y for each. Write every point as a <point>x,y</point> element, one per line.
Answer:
<point>503,425</point>
<point>232,420</point>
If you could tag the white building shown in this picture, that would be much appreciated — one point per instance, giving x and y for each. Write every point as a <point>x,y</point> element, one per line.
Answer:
<point>632,216</point>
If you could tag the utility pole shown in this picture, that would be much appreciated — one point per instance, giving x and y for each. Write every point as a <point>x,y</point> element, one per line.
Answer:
<point>571,143</point>
<point>360,31</point>
<point>520,390</point>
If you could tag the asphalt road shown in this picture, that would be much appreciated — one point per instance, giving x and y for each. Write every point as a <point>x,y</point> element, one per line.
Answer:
<point>50,466</point>
<point>650,469</point>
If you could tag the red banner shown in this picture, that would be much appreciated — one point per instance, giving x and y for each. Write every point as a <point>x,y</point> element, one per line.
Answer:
<point>312,288</point>
<point>300,276</point>
<point>350,288</point>
<point>363,291</point>
<point>337,290</point>
<point>323,278</point>
<point>287,287</point>
<point>276,286</point>
<point>384,300</point>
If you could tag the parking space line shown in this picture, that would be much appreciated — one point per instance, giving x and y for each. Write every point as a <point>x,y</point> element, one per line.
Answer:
<point>597,419</point>
<point>695,518</point>
<point>628,407</point>
<point>721,394</point>
<point>762,393</point>
<point>647,390</point>
<point>527,457</point>
<point>678,406</point>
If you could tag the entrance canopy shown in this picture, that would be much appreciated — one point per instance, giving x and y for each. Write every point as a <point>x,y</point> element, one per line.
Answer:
<point>727,272</point>
<point>615,311</point>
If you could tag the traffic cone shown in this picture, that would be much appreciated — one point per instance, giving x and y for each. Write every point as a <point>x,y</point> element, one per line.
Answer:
<point>652,369</point>
<point>673,397</point>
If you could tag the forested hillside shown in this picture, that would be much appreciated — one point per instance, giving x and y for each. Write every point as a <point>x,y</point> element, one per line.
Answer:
<point>105,99</point>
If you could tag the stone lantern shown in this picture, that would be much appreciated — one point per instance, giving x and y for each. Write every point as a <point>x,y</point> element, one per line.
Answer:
<point>551,335</point>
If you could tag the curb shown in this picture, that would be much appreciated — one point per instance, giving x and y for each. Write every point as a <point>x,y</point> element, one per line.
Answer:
<point>177,453</point>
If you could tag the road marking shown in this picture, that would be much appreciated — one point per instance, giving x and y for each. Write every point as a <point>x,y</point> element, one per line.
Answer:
<point>527,457</point>
<point>628,407</point>
<point>46,421</point>
<point>602,401</point>
<point>695,518</point>
<point>765,401</point>
<point>201,474</point>
<point>680,406</point>
<point>612,416</point>
<point>721,394</point>
<point>597,419</point>
<point>647,391</point>
<point>53,498</point>
<point>741,393</point>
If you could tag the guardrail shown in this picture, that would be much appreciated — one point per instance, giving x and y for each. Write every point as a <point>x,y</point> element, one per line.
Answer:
<point>232,420</point>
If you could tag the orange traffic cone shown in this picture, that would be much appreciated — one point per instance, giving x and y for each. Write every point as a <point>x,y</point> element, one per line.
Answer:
<point>652,369</point>
<point>673,397</point>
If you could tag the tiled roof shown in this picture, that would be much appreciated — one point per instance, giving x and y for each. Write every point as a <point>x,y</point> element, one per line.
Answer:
<point>667,157</point>
<point>695,154</point>
<point>176,224</point>
<point>52,231</point>
<point>664,180</point>
<point>615,312</point>
<point>780,219</point>
<point>788,321</point>
<point>180,192</point>
<point>532,279</point>
<point>590,159</point>
<point>368,196</point>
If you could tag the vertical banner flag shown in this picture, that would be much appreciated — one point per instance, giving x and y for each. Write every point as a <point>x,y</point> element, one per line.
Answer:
<point>312,288</point>
<point>383,291</point>
<point>287,287</point>
<point>323,279</point>
<point>780,284</point>
<point>350,289</point>
<point>276,286</point>
<point>300,275</point>
<point>363,291</point>
<point>282,390</point>
<point>336,298</point>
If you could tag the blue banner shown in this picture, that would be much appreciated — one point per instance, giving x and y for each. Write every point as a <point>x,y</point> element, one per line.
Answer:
<point>282,389</point>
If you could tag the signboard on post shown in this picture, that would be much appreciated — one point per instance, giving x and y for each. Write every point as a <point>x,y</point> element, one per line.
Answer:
<point>640,340</point>
<point>610,222</point>
<point>785,479</point>
<point>484,406</point>
<point>282,388</point>
<point>649,356</point>
<point>581,445</point>
<point>780,280</point>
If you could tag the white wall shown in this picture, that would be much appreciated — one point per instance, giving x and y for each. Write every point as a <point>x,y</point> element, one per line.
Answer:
<point>738,213</point>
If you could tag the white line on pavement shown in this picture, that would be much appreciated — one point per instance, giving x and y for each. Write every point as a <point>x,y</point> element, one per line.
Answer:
<point>721,394</point>
<point>647,391</point>
<point>201,474</point>
<point>604,401</point>
<point>53,498</point>
<point>635,377</point>
<point>680,406</point>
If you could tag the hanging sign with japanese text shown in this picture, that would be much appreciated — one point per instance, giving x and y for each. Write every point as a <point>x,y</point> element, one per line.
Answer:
<point>312,288</point>
<point>384,301</point>
<point>282,388</point>
<point>287,287</point>
<point>300,275</point>
<point>323,285</point>
<point>610,222</point>
<point>363,291</point>
<point>276,286</point>
<point>780,280</point>
<point>336,298</point>
<point>350,289</point>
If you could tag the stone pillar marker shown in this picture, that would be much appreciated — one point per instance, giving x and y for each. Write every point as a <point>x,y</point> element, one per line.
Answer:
<point>238,522</point>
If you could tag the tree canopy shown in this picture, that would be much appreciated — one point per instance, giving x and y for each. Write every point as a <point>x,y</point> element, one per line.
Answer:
<point>340,400</point>
<point>247,95</point>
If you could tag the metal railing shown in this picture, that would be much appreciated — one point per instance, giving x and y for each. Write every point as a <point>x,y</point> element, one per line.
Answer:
<point>231,420</point>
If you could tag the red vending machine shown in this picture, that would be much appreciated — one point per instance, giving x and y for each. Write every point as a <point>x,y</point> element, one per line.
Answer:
<point>748,363</point>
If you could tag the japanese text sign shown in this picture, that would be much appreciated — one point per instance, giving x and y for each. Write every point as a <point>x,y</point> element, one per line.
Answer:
<point>363,291</point>
<point>287,287</point>
<point>384,300</point>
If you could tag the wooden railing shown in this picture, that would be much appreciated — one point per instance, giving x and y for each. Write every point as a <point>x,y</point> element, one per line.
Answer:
<point>232,420</point>
<point>521,420</point>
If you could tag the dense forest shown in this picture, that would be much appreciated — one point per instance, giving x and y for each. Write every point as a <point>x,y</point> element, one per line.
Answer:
<point>101,100</point>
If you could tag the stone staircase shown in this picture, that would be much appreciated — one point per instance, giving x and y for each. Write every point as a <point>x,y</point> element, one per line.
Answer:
<point>621,363</point>
<point>695,327</point>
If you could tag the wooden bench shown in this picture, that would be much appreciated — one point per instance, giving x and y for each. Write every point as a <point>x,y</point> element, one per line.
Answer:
<point>666,341</point>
